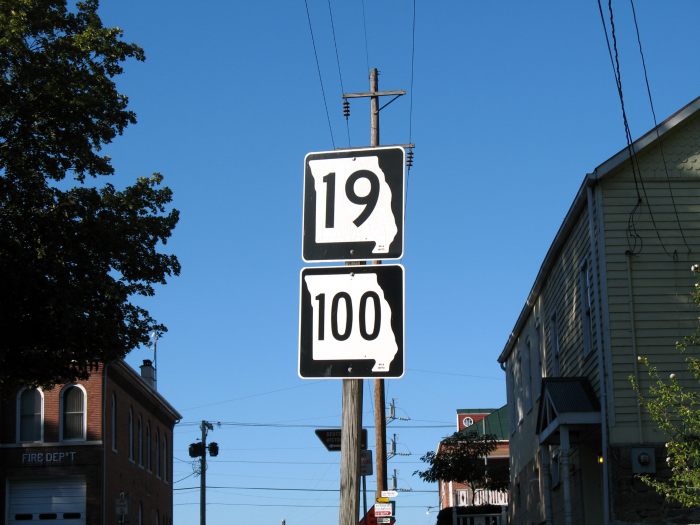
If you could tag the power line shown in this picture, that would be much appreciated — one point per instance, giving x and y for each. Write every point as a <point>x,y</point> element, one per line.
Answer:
<point>473,376</point>
<point>292,425</point>
<point>364,25</point>
<point>656,126</point>
<point>288,489</point>
<point>289,505</point>
<point>634,161</point>
<point>337,59</point>
<point>243,398</point>
<point>318,68</point>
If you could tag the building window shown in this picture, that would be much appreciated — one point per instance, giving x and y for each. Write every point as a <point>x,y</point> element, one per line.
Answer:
<point>510,393</point>
<point>526,374</point>
<point>73,421</point>
<point>131,434</point>
<point>554,345</point>
<point>140,431</point>
<point>586,307</point>
<point>139,520</point>
<point>157,453</point>
<point>164,460</point>
<point>31,414</point>
<point>148,447</point>
<point>114,422</point>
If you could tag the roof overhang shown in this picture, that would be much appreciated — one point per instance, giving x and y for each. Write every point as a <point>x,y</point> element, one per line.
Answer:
<point>580,201</point>
<point>566,401</point>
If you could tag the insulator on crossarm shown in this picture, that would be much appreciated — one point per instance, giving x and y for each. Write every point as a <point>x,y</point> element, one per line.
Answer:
<point>346,108</point>
<point>409,159</point>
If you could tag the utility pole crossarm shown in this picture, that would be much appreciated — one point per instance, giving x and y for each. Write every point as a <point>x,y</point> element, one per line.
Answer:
<point>367,94</point>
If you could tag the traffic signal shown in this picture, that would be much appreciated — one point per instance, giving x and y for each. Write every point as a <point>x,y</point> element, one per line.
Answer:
<point>196,450</point>
<point>213,449</point>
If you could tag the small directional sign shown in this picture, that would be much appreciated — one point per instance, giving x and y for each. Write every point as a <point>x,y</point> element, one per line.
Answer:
<point>383,510</point>
<point>351,322</point>
<point>354,204</point>
<point>330,437</point>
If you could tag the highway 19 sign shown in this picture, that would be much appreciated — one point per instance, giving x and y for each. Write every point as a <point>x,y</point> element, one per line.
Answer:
<point>354,204</point>
<point>351,322</point>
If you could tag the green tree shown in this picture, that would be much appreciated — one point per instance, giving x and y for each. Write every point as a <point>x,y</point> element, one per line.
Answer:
<point>73,255</point>
<point>461,458</point>
<point>674,405</point>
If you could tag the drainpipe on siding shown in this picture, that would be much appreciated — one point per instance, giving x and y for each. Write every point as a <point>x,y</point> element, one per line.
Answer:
<point>633,328</point>
<point>565,453</point>
<point>544,462</point>
<point>602,372</point>
<point>104,442</point>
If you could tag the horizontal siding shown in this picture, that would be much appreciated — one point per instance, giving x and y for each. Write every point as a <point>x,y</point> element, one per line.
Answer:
<point>661,278</point>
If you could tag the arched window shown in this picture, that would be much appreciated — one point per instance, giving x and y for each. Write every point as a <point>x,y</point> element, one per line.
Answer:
<point>114,422</point>
<point>164,460</point>
<point>140,431</point>
<point>30,410</point>
<point>131,434</point>
<point>157,453</point>
<point>148,447</point>
<point>73,418</point>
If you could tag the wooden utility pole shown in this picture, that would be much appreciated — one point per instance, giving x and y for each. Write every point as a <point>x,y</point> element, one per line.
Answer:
<point>379,401</point>
<point>350,452</point>
<point>352,388</point>
<point>203,474</point>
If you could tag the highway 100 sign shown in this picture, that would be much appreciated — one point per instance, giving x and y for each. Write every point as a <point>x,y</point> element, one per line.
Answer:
<point>351,322</point>
<point>354,205</point>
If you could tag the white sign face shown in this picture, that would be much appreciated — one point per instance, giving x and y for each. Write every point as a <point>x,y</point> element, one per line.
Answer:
<point>353,205</point>
<point>351,322</point>
<point>389,493</point>
<point>383,510</point>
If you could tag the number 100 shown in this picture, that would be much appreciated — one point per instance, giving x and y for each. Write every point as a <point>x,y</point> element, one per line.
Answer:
<point>342,333</point>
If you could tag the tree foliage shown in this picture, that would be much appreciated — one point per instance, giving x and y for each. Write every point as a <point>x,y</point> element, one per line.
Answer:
<point>73,255</point>
<point>460,458</point>
<point>675,407</point>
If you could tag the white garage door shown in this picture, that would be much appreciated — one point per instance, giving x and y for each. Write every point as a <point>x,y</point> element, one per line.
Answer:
<point>47,500</point>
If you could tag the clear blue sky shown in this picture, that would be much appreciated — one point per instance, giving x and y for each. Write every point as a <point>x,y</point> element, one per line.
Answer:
<point>513,102</point>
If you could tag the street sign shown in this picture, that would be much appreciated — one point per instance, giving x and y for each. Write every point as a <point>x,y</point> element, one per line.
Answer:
<point>366,462</point>
<point>389,493</point>
<point>351,322</point>
<point>385,520</point>
<point>330,437</point>
<point>382,499</point>
<point>354,204</point>
<point>383,510</point>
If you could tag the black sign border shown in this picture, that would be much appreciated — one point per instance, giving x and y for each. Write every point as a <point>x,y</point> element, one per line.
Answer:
<point>390,158</point>
<point>390,278</point>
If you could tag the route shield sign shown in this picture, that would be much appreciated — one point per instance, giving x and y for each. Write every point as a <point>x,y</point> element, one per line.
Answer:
<point>354,204</point>
<point>351,322</point>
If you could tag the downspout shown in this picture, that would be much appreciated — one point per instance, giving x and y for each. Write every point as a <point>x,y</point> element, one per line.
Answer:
<point>633,328</point>
<point>602,372</point>
<point>544,462</point>
<point>565,452</point>
<point>104,444</point>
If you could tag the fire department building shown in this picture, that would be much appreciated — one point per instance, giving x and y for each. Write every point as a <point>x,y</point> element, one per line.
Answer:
<point>95,452</point>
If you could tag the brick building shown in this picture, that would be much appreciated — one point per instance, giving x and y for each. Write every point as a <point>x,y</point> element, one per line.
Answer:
<point>459,505</point>
<point>93,452</point>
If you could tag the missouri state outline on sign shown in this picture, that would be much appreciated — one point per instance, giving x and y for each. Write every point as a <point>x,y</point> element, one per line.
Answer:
<point>354,204</point>
<point>351,322</point>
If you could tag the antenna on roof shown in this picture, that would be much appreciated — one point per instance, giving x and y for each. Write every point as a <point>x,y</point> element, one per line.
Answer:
<point>154,346</point>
